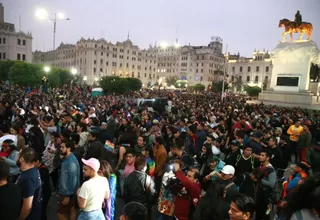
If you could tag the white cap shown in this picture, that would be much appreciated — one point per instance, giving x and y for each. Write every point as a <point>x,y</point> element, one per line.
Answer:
<point>228,169</point>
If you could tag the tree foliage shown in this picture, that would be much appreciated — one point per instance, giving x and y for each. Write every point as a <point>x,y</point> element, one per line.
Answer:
<point>252,90</point>
<point>217,86</point>
<point>199,87</point>
<point>118,85</point>
<point>238,84</point>
<point>27,74</point>
<point>171,80</point>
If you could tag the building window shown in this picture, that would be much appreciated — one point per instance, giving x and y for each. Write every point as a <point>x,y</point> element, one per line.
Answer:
<point>240,78</point>
<point>23,42</point>
<point>132,74</point>
<point>201,78</point>
<point>257,68</point>
<point>267,69</point>
<point>23,57</point>
<point>240,68</point>
<point>256,79</point>
<point>4,40</point>
<point>145,75</point>
<point>138,74</point>
<point>101,61</point>
<point>201,70</point>
<point>101,70</point>
<point>94,70</point>
<point>19,42</point>
<point>101,53</point>
<point>95,46</point>
<point>233,69</point>
<point>232,78</point>
<point>95,52</point>
<point>0,40</point>
<point>266,78</point>
<point>249,69</point>
<point>94,62</point>
<point>18,56</point>
<point>107,63</point>
<point>248,78</point>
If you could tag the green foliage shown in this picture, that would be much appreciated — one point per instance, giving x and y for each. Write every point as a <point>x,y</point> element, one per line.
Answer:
<point>181,84</point>
<point>27,74</point>
<point>118,85</point>
<point>217,86</point>
<point>252,90</point>
<point>171,80</point>
<point>199,87</point>
<point>218,72</point>
<point>238,84</point>
<point>5,66</point>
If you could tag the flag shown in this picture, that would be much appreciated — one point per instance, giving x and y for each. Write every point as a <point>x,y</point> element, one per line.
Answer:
<point>109,146</point>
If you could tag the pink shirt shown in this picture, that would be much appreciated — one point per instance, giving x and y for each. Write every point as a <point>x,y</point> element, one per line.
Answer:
<point>128,169</point>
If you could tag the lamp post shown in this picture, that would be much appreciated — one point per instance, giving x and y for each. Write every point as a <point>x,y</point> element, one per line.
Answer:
<point>43,14</point>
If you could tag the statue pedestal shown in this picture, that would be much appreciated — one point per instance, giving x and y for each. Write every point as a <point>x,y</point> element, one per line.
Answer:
<point>290,78</point>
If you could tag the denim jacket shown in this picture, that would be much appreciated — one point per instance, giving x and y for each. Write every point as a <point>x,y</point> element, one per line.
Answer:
<point>11,160</point>
<point>70,176</point>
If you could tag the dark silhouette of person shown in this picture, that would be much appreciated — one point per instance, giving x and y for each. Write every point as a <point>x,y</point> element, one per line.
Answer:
<point>298,19</point>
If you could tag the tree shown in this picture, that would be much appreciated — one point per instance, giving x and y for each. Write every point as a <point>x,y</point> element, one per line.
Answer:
<point>252,90</point>
<point>65,75</point>
<point>5,66</point>
<point>118,85</point>
<point>25,74</point>
<point>181,84</point>
<point>199,87</point>
<point>217,86</point>
<point>171,80</point>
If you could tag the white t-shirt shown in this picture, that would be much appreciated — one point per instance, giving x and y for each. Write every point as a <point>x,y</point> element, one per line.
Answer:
<point>94,191</point>
<point>10,137</point>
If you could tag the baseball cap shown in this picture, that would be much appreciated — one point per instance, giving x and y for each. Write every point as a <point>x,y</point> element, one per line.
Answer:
<point>228,169</point>
<point>92,162</point>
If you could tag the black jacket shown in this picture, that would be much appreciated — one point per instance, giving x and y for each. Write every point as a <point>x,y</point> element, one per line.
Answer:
<point>138,189</point>
<point>94,149</point>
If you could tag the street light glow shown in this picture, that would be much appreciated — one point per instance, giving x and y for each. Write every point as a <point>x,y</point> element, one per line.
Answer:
<point>74,71</point>
<point>41,14</point>
<point>177,45</point>
<point>46,69</point>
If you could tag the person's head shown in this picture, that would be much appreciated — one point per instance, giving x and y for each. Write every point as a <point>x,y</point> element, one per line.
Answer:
<point>66,147</point>
<point>8,146</point>
<point>37,160</point>
<point>105,169</point>
<point>104,125</point>
<point>50,121</point>
<point>26,158</point>
<point>193,175</point>
<point>234,145</point>
<point>15,130</point>
<point>247,152</point>
<point>210,139</point>
<point>213,162</point>
<point>93,135</point>
<point>297,124</point>
<point>265,156</point>
<point>134,211</point>
<point>75,138</point>
<point>140,141</point>
<point>176,149</point>
<point>90,167</point>
<point>227,172</point>
<point>81,127</point>
<point>256,175</point>
<point>273,142</point>
<point>241,207</point>
<point>130,157</point>
<point>140,164</point>
<point>4,170</point>
<point>301,167</point>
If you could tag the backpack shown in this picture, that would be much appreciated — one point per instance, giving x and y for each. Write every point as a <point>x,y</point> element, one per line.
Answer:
<point>226,189</point>
<point>276,193</point>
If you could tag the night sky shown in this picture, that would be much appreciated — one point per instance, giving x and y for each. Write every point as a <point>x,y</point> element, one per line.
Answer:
<point>242,24</point>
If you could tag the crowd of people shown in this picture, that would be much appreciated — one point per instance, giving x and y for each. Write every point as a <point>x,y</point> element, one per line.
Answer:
<point>195,158</point>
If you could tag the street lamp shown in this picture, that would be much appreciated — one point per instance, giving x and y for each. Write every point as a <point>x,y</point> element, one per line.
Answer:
<point>42,14</point>
<point>46,69</point>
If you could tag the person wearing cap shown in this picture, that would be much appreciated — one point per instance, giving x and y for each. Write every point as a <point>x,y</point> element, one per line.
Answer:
<point>225,179</point>
<point>300,171</point>
<point>93,192</point>
<point>10,148</point>
<point>255,143</point>
<point>134,211</point>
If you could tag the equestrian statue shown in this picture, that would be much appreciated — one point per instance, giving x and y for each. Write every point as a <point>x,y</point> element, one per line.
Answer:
<point>296,26</point>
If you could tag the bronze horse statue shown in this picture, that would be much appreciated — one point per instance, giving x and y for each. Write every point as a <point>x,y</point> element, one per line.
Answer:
<point>291,27</point>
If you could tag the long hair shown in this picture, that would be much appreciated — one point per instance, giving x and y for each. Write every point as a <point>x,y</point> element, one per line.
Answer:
<point>106,169</point>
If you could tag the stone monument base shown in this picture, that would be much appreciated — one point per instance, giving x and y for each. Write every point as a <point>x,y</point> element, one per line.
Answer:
<point>304,99</point>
